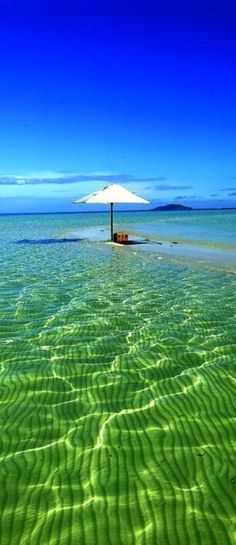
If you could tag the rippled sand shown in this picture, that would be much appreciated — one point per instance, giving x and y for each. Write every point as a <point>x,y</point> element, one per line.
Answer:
<point>117,398</point>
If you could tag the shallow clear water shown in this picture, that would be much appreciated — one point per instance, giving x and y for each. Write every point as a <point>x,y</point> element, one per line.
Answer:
<point>203,227</point>
<point>117,388</point>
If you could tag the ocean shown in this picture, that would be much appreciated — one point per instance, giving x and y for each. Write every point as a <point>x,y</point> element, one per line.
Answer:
<point>118,379</point>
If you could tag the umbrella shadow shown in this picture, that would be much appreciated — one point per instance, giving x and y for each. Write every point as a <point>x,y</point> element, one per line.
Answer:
<point>48,241</point>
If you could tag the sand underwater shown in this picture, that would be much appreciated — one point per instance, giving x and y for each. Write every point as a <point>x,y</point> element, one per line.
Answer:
<point>117,390</point>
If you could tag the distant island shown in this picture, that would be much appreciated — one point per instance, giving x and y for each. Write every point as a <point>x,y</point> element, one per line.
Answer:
<point>169,207</point>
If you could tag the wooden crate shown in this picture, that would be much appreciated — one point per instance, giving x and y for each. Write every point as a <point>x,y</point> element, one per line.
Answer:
<point>121,237</point>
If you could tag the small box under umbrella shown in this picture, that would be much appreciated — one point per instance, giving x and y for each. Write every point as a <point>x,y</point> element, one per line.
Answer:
<point>121,237</point>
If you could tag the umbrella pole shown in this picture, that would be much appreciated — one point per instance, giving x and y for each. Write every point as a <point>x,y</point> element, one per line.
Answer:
<point>111,221</point>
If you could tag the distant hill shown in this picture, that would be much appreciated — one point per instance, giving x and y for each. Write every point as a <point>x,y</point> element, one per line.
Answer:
<point>169,207</point>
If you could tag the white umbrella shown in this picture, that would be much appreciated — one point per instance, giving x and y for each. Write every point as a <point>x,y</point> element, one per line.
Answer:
<point>112,194</point>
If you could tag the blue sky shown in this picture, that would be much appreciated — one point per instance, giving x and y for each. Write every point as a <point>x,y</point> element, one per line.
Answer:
<point>140,93</point>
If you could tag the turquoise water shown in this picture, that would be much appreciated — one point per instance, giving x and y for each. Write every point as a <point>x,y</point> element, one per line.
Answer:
<point>117,383</point>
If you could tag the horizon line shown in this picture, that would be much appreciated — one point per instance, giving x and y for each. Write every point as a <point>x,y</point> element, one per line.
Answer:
<point>118,211</point>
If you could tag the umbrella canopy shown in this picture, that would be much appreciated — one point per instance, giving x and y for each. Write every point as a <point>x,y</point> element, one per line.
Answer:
<point>112,194</point>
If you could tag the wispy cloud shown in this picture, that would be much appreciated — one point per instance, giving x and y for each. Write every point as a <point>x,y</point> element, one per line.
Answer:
<point>152,179</point>
<point>181,197</point>
<point>215,195</point>
<point>64,178</point>
<point>171,187</point>
<point>54,178</point>
<point>228,189</point>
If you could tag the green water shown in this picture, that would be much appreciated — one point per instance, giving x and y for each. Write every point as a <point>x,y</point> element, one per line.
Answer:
<point>117,390</point>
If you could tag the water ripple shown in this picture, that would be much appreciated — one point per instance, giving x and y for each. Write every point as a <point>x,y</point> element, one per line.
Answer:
<point>117,399</point>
